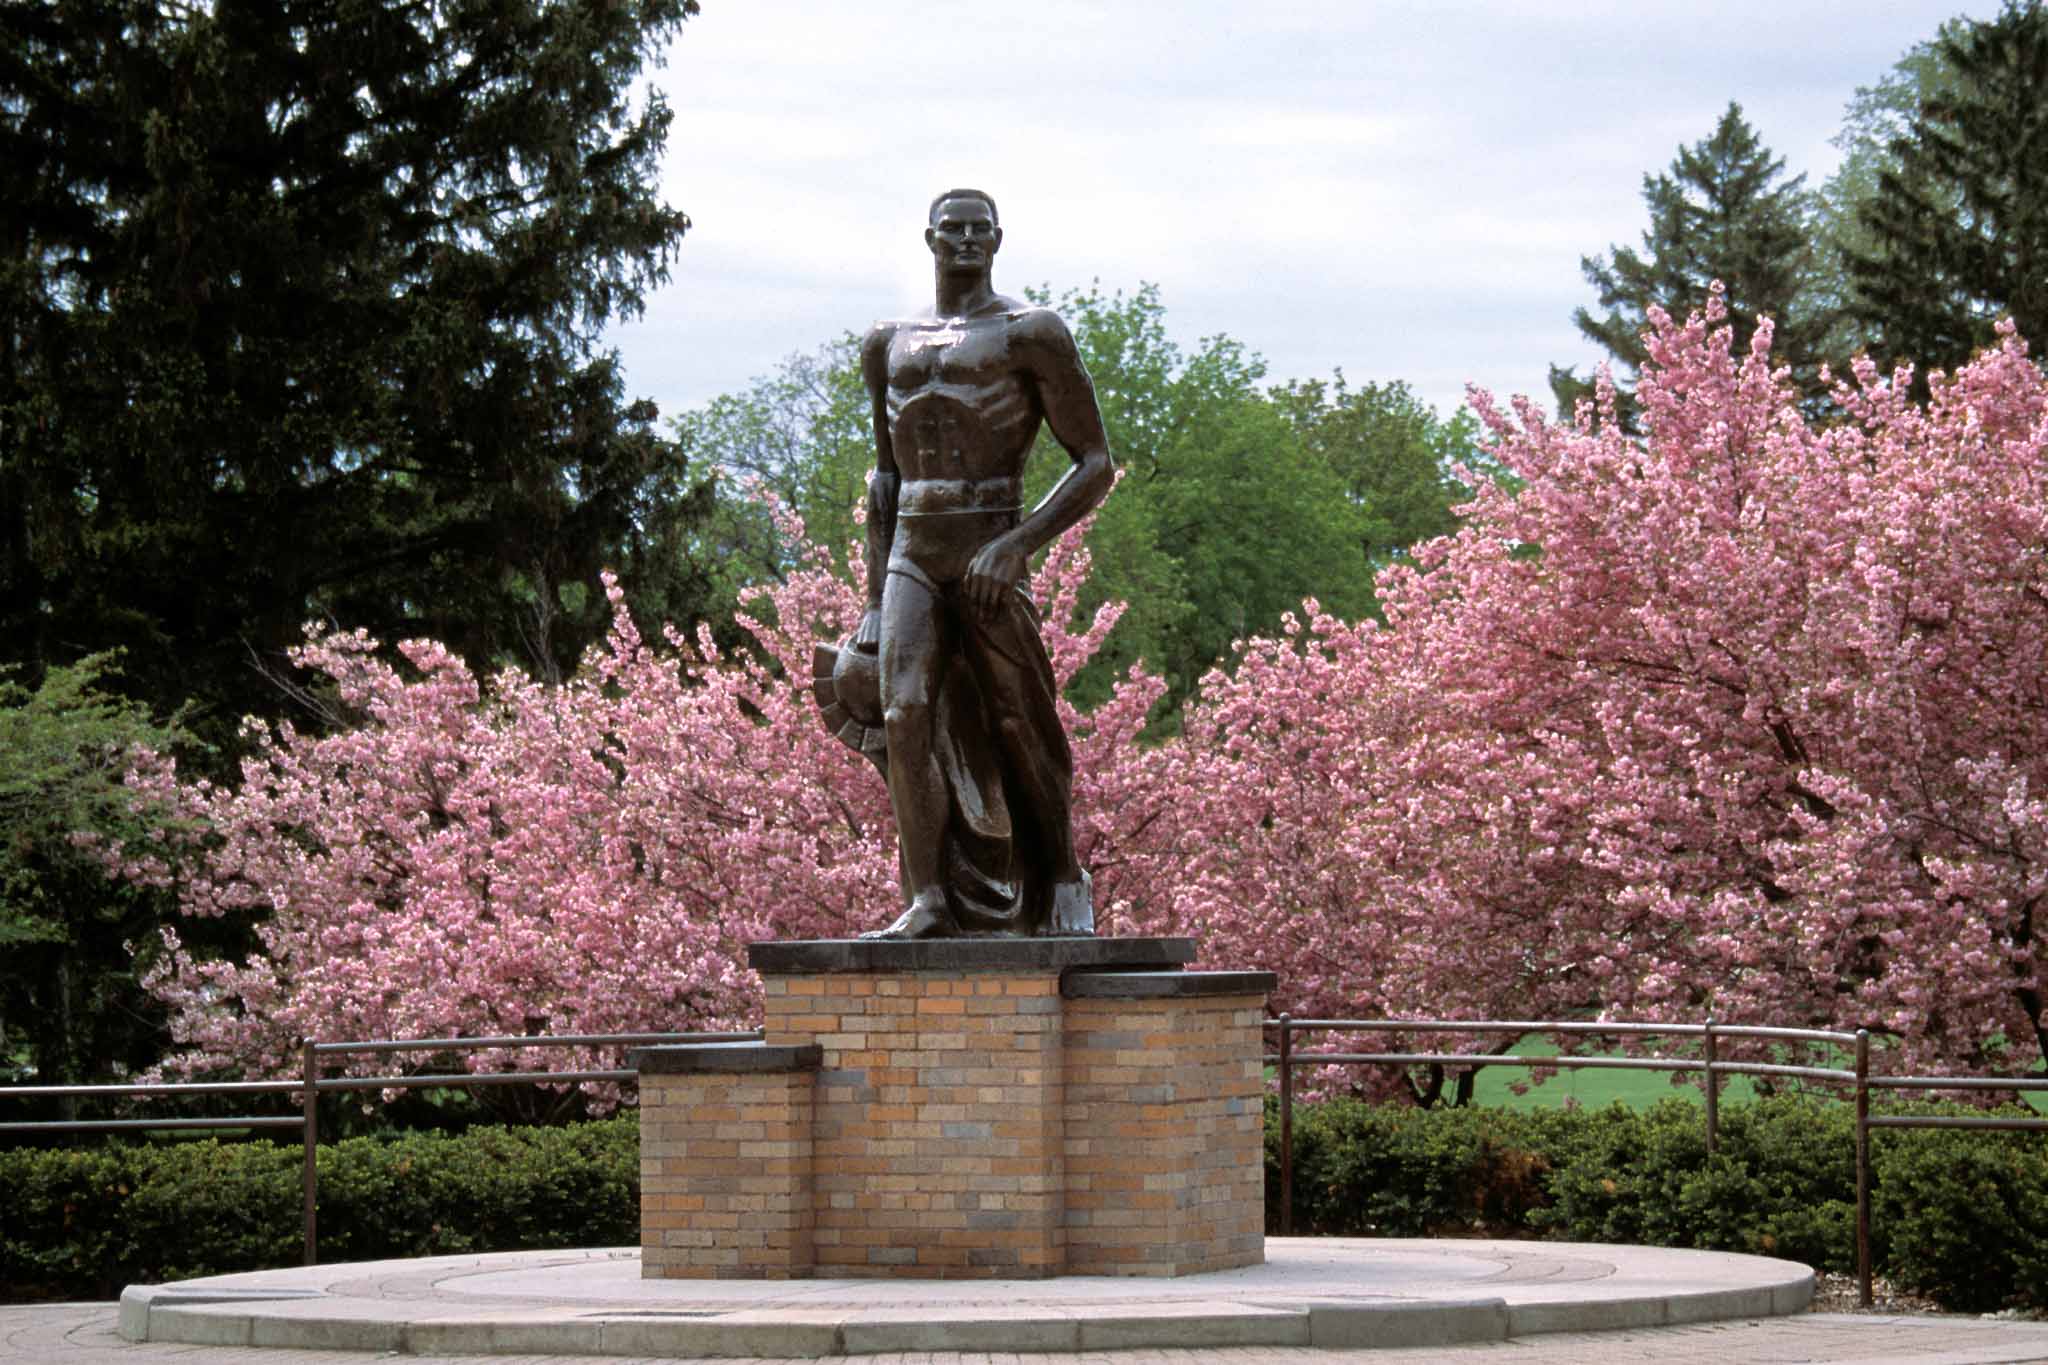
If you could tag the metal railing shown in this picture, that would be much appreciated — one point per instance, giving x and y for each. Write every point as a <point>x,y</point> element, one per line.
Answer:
<point>311,1085</point>
<point>1709,1064</point>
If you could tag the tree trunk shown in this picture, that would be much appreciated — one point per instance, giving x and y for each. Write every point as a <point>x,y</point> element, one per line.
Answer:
<point>62,1062</point>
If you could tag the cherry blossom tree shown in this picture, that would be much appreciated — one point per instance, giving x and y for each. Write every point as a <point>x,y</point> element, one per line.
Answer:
<point>1742,714</point>
<point>1745,715</point>
<point>468,857</point>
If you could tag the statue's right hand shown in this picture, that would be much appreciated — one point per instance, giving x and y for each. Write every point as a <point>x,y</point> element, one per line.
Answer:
<point>867,637</point>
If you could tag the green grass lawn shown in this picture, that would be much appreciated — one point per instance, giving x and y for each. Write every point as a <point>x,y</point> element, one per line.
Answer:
<point>1596,1087</point>
<point>1592,1087</point>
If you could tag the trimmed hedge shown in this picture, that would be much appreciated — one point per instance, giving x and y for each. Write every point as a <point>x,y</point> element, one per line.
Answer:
<point>82,1223</point>
<point>1958,1215</point>
<point>1961,1216</point>
<point>1781,1182</point>
<point>1364,1170</point>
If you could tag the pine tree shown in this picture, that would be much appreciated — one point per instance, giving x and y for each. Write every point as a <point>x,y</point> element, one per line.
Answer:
<point>1877,116</point>
<point>1722,212</point>
<point>1959,225</point>
<point>299,314</point>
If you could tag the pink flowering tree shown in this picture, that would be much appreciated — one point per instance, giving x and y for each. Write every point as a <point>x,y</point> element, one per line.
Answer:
<point>1745,716</point>
<point>505,857</point>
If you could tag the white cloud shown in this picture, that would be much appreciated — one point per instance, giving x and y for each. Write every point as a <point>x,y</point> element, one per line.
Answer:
<point>1400,189</point>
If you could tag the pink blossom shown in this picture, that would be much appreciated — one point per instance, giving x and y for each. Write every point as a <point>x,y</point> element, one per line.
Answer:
<point>1748,715</point>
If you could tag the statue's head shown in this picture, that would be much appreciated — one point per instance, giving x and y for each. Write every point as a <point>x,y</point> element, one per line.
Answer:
<point>932,214</point>
<point>962,230</point>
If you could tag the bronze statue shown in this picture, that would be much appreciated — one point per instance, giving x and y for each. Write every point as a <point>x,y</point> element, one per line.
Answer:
<point>946,684</point>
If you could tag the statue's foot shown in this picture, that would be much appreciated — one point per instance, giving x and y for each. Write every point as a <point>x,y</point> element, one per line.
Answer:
<point>928,917</point>
<point>1073,909</point>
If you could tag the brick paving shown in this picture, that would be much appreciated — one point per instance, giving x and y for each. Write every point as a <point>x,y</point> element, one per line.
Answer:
<point>83,1334</point>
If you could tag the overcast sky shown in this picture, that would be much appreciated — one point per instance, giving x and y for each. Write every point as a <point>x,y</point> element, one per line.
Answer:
<point>1403,190</point>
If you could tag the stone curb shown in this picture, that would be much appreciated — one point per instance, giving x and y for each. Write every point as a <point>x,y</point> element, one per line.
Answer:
<point>307,1319</point>
<point>1351,1327</point>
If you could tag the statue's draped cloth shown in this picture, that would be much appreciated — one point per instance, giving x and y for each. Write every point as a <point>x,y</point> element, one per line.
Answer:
<point>994,848</point>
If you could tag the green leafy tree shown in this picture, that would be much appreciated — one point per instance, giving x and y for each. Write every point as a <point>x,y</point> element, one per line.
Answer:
<point>1254,521</point>
<point>1393,454</point>
<point>1236,501</point>
<point>1955,237</point>
<point>299,315</point>
<point>1878,116</point>
<point>1225,518</point>
<point>1233,504</point>
<point>1724,211</point>
<point>1149,399</point>
<point>804,434</point>
<point>69,1002</point>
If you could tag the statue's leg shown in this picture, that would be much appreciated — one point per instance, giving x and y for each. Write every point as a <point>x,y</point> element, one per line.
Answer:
<point>1022,696</point>
<point>910,660</point>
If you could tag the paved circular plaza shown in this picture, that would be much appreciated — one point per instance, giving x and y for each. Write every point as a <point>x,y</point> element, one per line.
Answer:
<point>1323,1293</point>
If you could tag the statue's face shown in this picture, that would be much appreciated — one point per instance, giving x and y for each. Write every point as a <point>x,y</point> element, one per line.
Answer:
<point>963,235</point>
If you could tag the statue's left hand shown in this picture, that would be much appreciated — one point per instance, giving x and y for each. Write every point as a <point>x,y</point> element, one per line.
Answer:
<point>997,567</point>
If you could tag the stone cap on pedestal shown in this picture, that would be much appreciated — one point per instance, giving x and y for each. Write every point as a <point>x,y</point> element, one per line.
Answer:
<point>802,957</point>
<point>682,1058</point>
<point>1168,985</point>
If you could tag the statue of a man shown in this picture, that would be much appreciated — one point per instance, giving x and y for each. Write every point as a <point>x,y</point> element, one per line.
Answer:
<point>978,766</point>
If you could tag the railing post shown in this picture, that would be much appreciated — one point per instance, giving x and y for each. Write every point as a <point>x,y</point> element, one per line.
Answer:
<point>1713,1091</point>
<point>1286,1126</point>
<point>309,1129</point>
<point>1863,1168</point>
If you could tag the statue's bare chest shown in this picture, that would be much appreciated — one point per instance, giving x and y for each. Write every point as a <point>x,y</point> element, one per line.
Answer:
<point>961,402</point>
<point>970,354</point>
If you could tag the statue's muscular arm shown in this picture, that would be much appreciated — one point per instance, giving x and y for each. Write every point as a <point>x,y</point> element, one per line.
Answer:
<point>1047,358</point>
<point>882,486</point>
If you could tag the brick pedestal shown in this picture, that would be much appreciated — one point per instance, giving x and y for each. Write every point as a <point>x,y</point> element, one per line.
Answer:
<point>1165,1122</point>
<point>725,1161</point>
<point>1009,1108</point>
<point>937,1128</point>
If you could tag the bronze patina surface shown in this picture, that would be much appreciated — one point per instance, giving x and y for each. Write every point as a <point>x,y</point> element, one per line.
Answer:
<point>946,685</point>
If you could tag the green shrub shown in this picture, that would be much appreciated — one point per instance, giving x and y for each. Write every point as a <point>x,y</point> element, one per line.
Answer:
<point>1392,1171</point>
<point>83,1223</point>
<point>1781,1181</point>
<point>1962,1216</point>
<point>1959,1215</point>
<point>199,1209</point>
